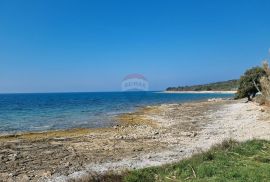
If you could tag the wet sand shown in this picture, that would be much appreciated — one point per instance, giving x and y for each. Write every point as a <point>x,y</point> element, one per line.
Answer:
<point>151,136</point>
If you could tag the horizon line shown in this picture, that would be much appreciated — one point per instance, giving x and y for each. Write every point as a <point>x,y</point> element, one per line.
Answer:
<point>55,92</point>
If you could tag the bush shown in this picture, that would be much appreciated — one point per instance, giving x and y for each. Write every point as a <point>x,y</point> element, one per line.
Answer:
<point>249,81</point>
<point>265,83</point>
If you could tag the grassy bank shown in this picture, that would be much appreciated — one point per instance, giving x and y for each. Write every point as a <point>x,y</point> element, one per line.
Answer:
<point>230,161</point>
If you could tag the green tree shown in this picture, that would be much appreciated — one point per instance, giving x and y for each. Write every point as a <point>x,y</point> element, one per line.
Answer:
<point>248,83</point>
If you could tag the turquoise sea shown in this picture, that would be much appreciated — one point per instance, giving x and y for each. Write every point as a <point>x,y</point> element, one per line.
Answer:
<point>54,111</point>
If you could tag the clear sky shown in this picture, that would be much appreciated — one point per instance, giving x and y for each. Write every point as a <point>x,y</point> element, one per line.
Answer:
<point>63,45</point>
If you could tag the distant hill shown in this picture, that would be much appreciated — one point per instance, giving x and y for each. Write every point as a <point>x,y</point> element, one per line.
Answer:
<point>230,85</point>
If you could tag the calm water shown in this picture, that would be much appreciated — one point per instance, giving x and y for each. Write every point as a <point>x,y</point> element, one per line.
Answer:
<point>39,112</point>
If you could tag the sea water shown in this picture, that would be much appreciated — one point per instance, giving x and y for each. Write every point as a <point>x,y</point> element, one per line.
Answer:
<point>55,111</point>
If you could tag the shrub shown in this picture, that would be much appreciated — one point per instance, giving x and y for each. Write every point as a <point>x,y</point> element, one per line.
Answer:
<point>249,81</point>
<point>265,83</point>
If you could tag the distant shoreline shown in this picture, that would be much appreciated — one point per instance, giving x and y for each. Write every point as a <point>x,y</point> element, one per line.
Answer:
<point>200,92</point>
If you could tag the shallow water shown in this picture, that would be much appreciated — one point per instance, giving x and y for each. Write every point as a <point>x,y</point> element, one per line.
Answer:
<point>53,111</point>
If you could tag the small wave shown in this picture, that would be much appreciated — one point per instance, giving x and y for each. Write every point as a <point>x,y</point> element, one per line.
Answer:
<point>41,127</point>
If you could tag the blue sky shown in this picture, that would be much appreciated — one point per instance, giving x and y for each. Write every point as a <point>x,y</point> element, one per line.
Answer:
<point>63,45</point>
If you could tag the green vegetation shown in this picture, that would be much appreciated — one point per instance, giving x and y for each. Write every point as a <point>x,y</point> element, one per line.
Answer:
<point>249,83</point>
<point>230,161</point>
<point>230,85</point>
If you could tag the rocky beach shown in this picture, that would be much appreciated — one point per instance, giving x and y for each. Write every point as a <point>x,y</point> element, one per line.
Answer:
<point>151,136</point>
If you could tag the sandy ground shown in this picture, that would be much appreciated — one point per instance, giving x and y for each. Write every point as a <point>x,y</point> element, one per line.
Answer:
<point>201,92</point>
<point>151,136</point>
